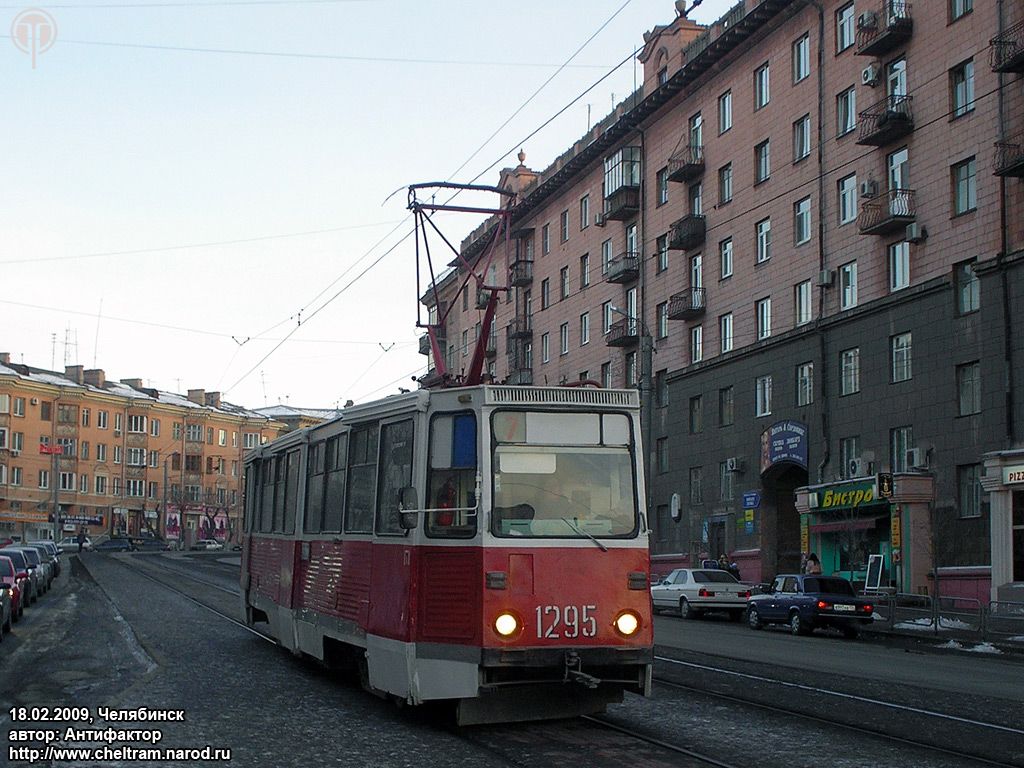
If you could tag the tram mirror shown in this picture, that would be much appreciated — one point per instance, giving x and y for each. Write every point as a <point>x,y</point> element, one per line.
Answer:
<point>408,500</point>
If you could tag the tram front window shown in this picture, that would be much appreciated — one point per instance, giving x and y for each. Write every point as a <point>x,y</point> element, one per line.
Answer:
<point>563,492</point>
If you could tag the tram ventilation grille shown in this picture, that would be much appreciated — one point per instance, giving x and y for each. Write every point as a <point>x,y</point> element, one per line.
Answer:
<point>628,398</point>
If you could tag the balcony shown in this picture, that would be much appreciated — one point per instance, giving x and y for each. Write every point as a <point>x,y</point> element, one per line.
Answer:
<point>521,273</point>
<point>884,122</point>
<point>1009,157</point>
<point>491,350</point>
<point>623,203</point>
<point>624,268</point>
<point>688,232</point>
<point>425,341</point>
<point>686,305</point>
<point>880,31</point>
<point>623,333</point>
<point>888,212</point>
<point>521,376</point>
<point>686,164</point>
<point>520,328</point>
<point>1006,52</point>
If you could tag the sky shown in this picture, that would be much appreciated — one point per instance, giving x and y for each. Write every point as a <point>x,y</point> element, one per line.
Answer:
<point>198,193</point>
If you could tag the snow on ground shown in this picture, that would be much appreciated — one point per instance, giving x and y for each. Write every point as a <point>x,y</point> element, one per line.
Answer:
<point>953,645</point>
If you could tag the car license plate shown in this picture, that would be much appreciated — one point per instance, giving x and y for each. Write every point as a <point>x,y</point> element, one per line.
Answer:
<point>841,607</point>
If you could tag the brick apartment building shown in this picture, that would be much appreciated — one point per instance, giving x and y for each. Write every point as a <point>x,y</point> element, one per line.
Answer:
<point>802,238</point>
<point>133,458</point>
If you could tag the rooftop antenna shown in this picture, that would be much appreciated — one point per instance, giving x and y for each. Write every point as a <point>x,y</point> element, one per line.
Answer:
<point>588,118</point>
<point>263,381</point>
<point>96,339</point>
<point>53,351</point>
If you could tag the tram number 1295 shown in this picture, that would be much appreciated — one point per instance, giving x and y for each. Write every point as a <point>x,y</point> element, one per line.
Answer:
<point>554,622</point>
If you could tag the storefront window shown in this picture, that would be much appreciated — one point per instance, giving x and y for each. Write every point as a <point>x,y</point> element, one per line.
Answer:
<point>1018,535</point>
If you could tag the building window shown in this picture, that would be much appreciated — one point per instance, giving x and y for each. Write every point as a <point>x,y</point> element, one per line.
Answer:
<point>762,161</point>
<point>100,485</point>
<point>563,339</point>
<point>117,454</point>
<point>764,240</point>
<point>584,328</point>
<point>965,193</point>
<point>848,199</point>
<point>725,485</point>
<point>762,89</point>
<point>725,112</point>
<point>563,283</point>
<point>661,245</point>
<point>764,318</point>
<point>101,452</point>
<point>661,454</point>
<point>801,58</point>
<point>725,184</point>
<point>849,452</point>
<point>661,388</point>
<point>901,440</point>
<point>725,257</point>
<point>968,288</point>
<point>563,230</point>
<point>696,344</point>
<point>968,481</point>
<point>584,270</point>
<point>606,317</point>
<point>845,33</point>
<point>584,212</point>
<point>763,390</point>
<point>19,406</point>
<point>801,138</point>
<point>662,182</point>
<point>899,266</point>
<point>961,88</point>
<point>696,485</point>
<point>606,256</point>
<point>968,388</point>
<point>848,285</point>
<point>662,76</point>
<point>802,302</point>
<point>44,478</point>
<point>85,417</point>
<point>630,374</point>
<point>849,371</point>
<point>725,407</point>
<point>695,194</point>
<point>16,476</point>
<point>802,221</point>
<point>958,8</point>
<point>545,240</point>
<point>137,424</point>
<point>662,315</point>
<point>545,348</point>
<point>901,345</point>
<point>696,414</point>
<point>805,384</point>
<point>465,343</point>
<point>606,375</point>
<point>545,293</point>
<point>846,111</point>
<point>725,332</point>
<point>136,457</point>
<point>154,427</point>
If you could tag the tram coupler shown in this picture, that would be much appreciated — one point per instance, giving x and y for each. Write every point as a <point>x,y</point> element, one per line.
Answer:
<point>574,671</point>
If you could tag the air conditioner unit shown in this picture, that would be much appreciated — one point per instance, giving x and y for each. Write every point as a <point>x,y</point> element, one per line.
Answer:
<point>916,459</point>
<point>15,453</point>
<point>599,220</point>
<point>826,277</point>
<point>916,233</point>
<point>34,401</point>
<point>867,20</point>
<point>734,464</point>
<point>117,433</point>
<point>870,75</point>
<point>855,468</point>
<point>869,188</point>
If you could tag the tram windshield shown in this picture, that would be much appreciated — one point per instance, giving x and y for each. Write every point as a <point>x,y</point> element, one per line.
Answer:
<point>549,490</point>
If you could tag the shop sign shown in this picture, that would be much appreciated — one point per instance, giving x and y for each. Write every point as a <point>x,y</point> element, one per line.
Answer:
<point>24,516</point>
<point>784,441</point>
<point>748,521</point>
<point>895,533</point>
<point>1013,475</point>
<point>751,500</point>
<point>82,519</point>
<point>805,534</point>
<point>885,485</point>
<point>848,496</point>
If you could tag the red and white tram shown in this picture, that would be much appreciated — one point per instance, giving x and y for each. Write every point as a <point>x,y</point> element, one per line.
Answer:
<point>486,545</point>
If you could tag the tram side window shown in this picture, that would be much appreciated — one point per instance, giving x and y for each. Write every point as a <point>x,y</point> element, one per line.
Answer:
<point>362,475</point>
<point>314,514</point>
<point>267,496</point>
<point>451,481</point>
<point>395,473</point>
<point>251,500</point>
<point>335,462</point>
<point>291,492</point>
<point>279,486</point>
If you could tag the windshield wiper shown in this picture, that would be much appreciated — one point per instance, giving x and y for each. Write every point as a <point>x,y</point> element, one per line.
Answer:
<point>581,532</point>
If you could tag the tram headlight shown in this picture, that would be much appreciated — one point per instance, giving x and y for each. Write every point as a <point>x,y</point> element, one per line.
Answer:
<point>506,624</point>
<point>627,623</point>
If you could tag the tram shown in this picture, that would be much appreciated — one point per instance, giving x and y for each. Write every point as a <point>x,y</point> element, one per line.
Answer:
<point>484,545</point>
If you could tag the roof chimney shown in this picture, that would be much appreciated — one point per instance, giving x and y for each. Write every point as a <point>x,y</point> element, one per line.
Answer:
<point>133,383</point>
<point>95,377</point>
<point>75,373</point>
<point>5,358</point>
<point>197,396</point>
<point>213,399</point>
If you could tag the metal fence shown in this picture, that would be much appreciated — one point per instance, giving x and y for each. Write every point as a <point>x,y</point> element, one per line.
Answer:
<point>955,617</point>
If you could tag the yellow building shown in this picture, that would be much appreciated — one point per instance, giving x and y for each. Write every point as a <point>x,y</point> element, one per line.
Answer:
<point>133,459</point>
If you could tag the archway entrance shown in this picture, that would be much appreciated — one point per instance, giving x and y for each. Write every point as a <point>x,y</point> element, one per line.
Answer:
<point>782,540</point>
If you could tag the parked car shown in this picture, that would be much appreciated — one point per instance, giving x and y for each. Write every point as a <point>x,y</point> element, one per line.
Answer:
<point>692,591</point>
<point>18,584</point>
<point>47,555</point>
<point>6,609</point>
<point>37,567</point>
<point>809,602</point>
<point>207,544</point>
<point>150,545</point>
<point>24,564</point>
<point>22,574</point>
<point>70,544</point>
<point>114,545</point>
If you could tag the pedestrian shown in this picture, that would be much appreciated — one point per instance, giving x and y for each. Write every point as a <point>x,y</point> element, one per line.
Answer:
<point>723,563</point>
<point>81,540</point>
<point>813,564</point>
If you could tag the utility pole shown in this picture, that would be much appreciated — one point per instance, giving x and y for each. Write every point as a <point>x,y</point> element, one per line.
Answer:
<point>163,505</point>
<point>55,452</point>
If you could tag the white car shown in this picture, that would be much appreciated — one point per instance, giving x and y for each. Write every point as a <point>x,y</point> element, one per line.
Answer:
<point>692,591</point>
<point>208,544</point>
<point>70,544</point>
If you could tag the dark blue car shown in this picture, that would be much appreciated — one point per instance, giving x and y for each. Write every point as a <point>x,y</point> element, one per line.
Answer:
<point>114,545</point>
<point>807,602</point>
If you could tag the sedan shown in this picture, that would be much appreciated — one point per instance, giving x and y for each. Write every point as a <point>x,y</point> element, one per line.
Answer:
<point>23,575</point>
<point>694,591</point>
<point>209,544</point>
<point>70,544</point>
<point>17,583</point>
<point>6,609</point>
<point>114,545</point>
<point>806,603</point>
